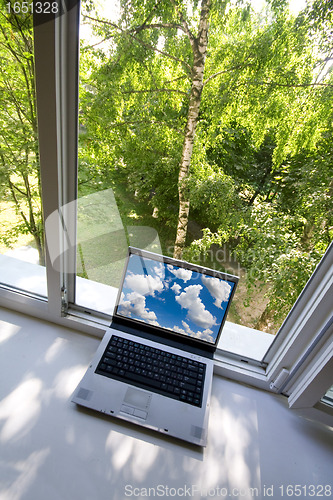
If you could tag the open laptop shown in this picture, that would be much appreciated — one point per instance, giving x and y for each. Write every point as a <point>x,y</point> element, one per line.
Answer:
<point>154,366</point>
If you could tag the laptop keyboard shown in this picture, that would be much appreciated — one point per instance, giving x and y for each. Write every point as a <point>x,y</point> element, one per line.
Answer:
<point>159,371</point>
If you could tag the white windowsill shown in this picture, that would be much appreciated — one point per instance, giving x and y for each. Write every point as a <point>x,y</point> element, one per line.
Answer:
<point>23,275</point>
<point>52,449</point>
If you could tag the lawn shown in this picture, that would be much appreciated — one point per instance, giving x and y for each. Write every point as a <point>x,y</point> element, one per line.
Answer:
<point>8,220</point>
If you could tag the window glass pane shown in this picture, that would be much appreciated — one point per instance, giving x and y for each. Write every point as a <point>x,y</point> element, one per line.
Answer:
<point>21,222</point>
<point>224,159</point>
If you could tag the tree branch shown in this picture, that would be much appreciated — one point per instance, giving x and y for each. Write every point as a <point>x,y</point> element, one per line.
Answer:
<point>275,84</point>
<point>158,25</point>
<point>144,44</point>
<point>238,66</point>
<point>154,90</point>
<point>176,79</point>
<point>148,122</point>
<point>290,85</point>
<point>97,43</point>
<point>17,203</point>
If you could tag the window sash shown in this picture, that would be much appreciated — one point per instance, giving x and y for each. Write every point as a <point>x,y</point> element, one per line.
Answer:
<point>56,64</point>
<point>313,382</point>
<point>303,326</point>
<point>310,387</point>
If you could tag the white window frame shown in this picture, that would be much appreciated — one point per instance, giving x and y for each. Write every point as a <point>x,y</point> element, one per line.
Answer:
<point>311,384</point>
<point>286,364</point>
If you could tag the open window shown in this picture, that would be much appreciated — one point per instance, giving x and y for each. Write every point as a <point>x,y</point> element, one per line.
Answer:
<point>77,225</point>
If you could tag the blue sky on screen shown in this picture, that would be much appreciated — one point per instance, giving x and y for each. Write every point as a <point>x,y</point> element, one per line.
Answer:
<point>174,298</point>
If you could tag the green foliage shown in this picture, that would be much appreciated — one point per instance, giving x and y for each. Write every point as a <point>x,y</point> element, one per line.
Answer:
<point>271,250</point>
<point>215,199</point>
<point>266,80</point>
<point>19,158</point>
<point>250,167</point>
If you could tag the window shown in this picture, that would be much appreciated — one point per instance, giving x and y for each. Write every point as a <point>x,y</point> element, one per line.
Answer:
<point>269,221</point>
<point>305,329</point>
<point>22,252</point>
<point>133,107</point>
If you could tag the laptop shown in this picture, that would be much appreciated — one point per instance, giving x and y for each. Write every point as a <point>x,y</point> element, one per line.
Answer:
<point>154,365</point>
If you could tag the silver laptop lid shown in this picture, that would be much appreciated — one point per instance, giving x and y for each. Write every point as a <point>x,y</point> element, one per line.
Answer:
<point>174,299</point>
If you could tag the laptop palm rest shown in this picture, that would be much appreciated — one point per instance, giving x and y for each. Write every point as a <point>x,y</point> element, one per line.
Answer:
<point>136,403</point>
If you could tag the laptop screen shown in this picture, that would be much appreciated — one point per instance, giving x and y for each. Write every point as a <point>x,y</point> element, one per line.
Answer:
<point>175,296</point>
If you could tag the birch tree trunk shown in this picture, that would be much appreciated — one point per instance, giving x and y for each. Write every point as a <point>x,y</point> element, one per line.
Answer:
<point>199,48</point>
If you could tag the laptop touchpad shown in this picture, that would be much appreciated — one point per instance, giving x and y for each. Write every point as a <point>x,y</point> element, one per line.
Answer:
<point>136,402</point>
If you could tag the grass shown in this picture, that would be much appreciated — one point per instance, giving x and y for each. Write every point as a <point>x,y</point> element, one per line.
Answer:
<point>8,220</point>
<point>136,212</point>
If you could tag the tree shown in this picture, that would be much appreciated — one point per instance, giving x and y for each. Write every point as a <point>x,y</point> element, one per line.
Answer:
<point>253,71</point>
<point>199,45</point>
<point>19,170</point>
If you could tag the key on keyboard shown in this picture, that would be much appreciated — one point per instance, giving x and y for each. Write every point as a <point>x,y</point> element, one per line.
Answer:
<point>159,371</point>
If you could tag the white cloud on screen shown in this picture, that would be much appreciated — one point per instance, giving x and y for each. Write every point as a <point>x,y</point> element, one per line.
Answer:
<point>180,273</point>
<point>207,335</point>
<point>144,285</point>
<point>189,299</point>
<point>159,270</point>
<point>186,330</point>
<point>218,289</point>
<point>176,288</point>
<point>134,304</point>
